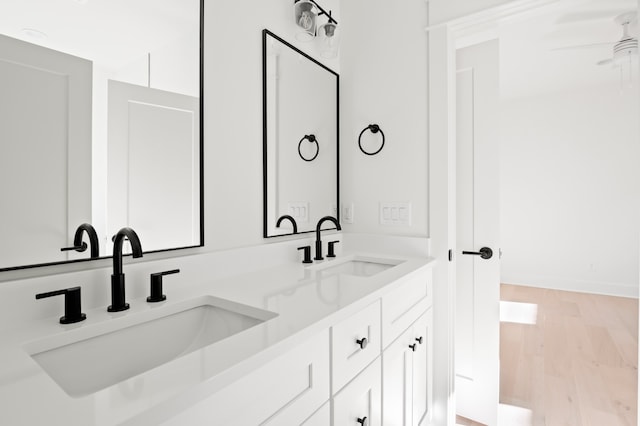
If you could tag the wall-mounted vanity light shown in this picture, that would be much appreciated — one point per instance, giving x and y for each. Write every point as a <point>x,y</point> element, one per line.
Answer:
<point>306,13</point>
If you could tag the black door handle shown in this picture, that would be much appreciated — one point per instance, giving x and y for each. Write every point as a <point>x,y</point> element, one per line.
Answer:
<point>485,253</point>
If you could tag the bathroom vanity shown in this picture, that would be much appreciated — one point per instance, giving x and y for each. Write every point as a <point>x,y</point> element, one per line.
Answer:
<point>344,341</point>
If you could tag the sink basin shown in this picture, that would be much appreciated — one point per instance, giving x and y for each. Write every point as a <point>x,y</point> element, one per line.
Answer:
<point>92,358</point>
<point>359,266</point>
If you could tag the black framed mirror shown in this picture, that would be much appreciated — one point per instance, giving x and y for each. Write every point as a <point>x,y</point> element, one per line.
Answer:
<point>300,139</point>
<point>100,123</point>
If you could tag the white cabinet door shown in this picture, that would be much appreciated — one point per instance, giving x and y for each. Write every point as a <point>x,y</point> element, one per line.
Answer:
<point>422,374</point>
<point>396,376</point>
<point>359,403</point>
<point>407,369</point>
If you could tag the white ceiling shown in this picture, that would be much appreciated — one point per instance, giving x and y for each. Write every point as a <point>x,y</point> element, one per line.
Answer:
<point>110,32</point>
<point>533,54</point>
<point>535,51</point>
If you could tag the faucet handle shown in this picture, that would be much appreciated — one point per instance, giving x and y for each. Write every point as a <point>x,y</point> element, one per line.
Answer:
<point>72,304</point>
<point>156,286</point>
<point>332,252</point>
<point>79,248</point>
<point>307,254</point>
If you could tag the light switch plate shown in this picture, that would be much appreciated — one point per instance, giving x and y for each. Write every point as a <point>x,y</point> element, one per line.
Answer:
<point>299,211</point>
<point>347,213</point>
<point>395,214</point>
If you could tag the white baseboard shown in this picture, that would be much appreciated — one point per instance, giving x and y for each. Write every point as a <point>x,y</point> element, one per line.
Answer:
<point>595,287</point>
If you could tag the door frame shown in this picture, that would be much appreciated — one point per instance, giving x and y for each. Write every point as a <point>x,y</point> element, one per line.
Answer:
<point>443,41</point>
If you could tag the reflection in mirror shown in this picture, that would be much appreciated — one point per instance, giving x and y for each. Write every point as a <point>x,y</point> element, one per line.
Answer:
<point>300,138</point>
<point>99,124</point>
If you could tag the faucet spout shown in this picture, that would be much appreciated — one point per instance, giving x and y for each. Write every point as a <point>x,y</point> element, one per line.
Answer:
<point>118,242</point>
<point>117,278</point>
<point>93,239</point>
<point>290,219</point>
<point>80,246</point>
<point>318,229</point>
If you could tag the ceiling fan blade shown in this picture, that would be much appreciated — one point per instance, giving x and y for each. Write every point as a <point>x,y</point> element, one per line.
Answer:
<point>586,46</point>
<point>604,62</point>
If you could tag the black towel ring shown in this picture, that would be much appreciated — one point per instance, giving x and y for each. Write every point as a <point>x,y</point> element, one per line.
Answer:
<point>312,139</point>
<point>374,128</point>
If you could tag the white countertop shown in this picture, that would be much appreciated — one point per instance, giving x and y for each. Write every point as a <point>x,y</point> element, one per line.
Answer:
<point>305,300</point>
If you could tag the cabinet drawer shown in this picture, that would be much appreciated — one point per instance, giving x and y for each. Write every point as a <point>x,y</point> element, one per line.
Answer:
<point>402,306</point>
<point>359,399</point>
<point>285,391</point>
<point>322,417</point>
<point>350,354</point>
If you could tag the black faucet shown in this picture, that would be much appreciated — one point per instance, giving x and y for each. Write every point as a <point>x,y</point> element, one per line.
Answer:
<point>117,279</point>
<point>291,219</point>
<point>318,241</point>
<point>80,246</point>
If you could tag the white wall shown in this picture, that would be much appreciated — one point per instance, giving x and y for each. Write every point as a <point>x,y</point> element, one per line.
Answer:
<point>174,67</point>
<point>570,191</point>
<point>384,81</point>
<point>446,10</point>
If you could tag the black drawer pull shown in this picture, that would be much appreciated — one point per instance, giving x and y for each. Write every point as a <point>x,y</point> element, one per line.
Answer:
<point>363,344</point>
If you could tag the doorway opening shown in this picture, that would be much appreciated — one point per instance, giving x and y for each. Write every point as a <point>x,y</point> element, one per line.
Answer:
<point>568,149</point>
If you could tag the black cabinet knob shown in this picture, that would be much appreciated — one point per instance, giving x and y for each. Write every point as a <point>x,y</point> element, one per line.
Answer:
<point>72,304</point>
<point>419,340</point>
<point>307,254</point>
<point>156,286</point>
<point>363,421</point>
<point>362,342</point>
<point>413,347</point>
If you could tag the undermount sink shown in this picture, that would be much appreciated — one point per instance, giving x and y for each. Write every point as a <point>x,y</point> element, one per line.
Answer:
<point>359,266</point>
<point>89,359</point>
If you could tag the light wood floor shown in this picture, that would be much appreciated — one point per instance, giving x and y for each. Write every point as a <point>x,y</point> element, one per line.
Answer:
<point>578,365</point>
<point>461,421</point>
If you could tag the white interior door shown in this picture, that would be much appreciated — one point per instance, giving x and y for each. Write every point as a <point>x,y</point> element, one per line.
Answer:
<point>477,228</point>
<point>45,162</point>
<point>153,181</point>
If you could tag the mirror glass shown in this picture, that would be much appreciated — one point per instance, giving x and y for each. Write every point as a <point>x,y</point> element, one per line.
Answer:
<point>99,124</point>
<point>300,138</point>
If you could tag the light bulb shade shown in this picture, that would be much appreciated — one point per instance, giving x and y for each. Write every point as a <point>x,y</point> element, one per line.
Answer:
<point>329,35</point>
<point>305,19</point>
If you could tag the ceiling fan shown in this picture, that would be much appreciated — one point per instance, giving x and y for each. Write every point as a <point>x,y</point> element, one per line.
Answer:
<point>627,46</point>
